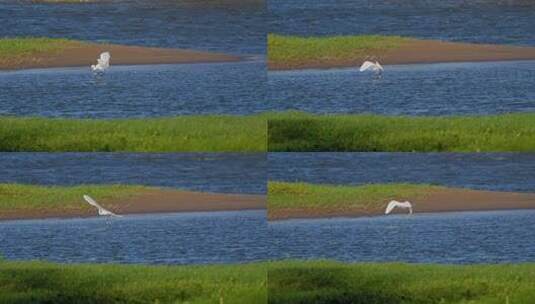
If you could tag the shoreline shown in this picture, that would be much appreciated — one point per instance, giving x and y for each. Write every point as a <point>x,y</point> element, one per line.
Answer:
<point>436,201</point>
<point>85,54</point>
<point>151,201</point>
<point>415,51</point>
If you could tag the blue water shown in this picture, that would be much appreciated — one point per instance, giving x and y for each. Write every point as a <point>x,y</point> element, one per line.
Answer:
<point>236,27</point>
<point>244,88</point>
<point>187,238</point>
<point>135,91</point>
<point>459,238</point>
<point>485,171</point>
<point>209,172</point>
<point>480,21</point>
<point>232,237</point>
<point>422,89</point>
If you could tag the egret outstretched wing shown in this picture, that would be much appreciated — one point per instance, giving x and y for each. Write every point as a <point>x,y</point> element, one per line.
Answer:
<point>105,56</point>
<point>379,66</point>
<point>101,210</point>
<point>366,65</point>
<point>91,201</point>
<point>393,204</point>
<point>103,62</point>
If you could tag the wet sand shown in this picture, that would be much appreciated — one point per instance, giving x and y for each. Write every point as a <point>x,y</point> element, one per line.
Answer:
<point>152,201</point>
<point>86,54</point>
<point>447,200</point>
<point>424,51</point>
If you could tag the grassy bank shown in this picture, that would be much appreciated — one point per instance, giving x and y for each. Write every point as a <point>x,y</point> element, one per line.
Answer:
<point>216,133</point>
<point>36,282</point>
<point>25,48</point>
<point>288,52</point>
<point>323,282</point>
<point>298,132</point>
<point>369,197</point>
<point>18,197</point>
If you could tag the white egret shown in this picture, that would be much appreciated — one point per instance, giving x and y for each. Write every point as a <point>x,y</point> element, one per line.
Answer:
<point>375,67</point>
<point>101,210</point>
<point>102,63</point>
<point>393,204</point>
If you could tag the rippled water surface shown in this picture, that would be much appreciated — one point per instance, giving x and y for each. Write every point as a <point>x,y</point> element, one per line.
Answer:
<point>422,89</point>
<point>226,26</point>
<point>209,172</point>
<point>485,171</point>
<point>481,21</point>
<point>469,237</point>
<point>135,91</point>
<point>188,238</point>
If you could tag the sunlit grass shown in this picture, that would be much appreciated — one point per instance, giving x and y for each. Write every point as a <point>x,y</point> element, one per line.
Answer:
<point>298,132</point>
<point>278,132</point>
<point>23,47</point>
<point>19,197</point>
<point>294,52</point>
<point>326,282</point>
<point>37,282</point>
<point>215,133</point>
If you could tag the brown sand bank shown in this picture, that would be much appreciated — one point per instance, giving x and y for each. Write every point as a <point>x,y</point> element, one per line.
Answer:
<point>422,51</point>
<point>447,200</point>
<point>152,201</point>
<point>86,54</point>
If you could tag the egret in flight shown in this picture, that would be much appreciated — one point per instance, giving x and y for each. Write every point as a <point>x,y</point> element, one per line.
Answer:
<point>102,63</point>
<point>101,210</point>
<point>394,204</point>
<point>376,67</point>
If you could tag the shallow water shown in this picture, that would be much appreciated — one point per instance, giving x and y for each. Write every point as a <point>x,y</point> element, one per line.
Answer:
<point>481,21</point>
<point>459,238</point>
<point>209,172</point>
<point>422,89</point>
<point>485,171</point>
<point>135,91</point>
<point>205,25</point>
<point>187,238</point>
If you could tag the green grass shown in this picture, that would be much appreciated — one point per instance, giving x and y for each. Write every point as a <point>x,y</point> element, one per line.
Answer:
<point>20,48</point>
<point>282,195</point>
<point>37,282</point>
<point>18,197</point>
<point>295,52</point>
<point>216,133</point>
<point>297,132</point>
<point>287,282</point>
<point>326,282</point>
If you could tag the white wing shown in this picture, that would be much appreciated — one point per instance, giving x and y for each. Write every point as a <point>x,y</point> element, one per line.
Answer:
<point>408,205</point>
<point>379,66</point>
<point>92,201</point>
<point>101,210</point>
<point>105,57</point>
<point>104,60</point>
<point>391,206</point>
<point>366,65</point>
